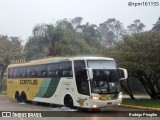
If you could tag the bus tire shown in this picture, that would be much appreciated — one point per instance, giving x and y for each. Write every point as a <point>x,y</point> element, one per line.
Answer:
<point>68,101</point>
<point>18,97</point>
<point>23,97</point>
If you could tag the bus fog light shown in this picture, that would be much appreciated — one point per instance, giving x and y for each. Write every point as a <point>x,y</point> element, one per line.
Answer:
<point>94,106</point>
<point>95,97</point>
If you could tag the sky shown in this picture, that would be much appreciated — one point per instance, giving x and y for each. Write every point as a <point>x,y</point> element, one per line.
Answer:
<point>18,17</point>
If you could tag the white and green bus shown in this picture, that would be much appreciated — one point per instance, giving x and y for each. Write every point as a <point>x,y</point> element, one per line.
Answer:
<point>84,82</point>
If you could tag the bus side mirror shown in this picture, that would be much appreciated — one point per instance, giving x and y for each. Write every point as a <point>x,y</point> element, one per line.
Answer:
<point>123,74</point>
<point>90,73</point>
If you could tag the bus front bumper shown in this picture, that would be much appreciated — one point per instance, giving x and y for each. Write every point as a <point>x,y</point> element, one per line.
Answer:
<point>101,104</point>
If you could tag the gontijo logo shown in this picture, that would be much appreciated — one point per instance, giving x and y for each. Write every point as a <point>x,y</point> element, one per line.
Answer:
<point>28,82</point>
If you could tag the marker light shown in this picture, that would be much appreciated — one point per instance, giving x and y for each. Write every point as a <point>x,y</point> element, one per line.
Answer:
<point>120,95</point>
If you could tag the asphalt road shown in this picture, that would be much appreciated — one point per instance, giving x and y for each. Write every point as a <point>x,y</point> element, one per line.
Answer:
<point>62,113</point>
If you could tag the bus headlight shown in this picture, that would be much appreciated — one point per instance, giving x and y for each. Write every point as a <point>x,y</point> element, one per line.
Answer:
<point>120,95</point>
<point>95,97</point>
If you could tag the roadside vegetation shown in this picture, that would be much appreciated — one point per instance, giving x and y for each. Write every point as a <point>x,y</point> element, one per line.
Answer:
<point>142,102</point>
<point>3,93</point>
<point>132,47</point>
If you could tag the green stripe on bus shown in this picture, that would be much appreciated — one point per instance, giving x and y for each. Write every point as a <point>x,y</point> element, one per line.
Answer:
<point>48,87</point>
<point>52,87</point>
<point>43,87</point>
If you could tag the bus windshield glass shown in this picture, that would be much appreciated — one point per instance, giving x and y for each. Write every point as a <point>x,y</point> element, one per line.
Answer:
<point>105,77</point>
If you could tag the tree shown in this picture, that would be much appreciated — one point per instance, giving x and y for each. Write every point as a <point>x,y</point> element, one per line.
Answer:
<point>140,55</point>
<point>90,34</point>
<point>136,27</point>
<point>54,35</point>
<point>36,46</point>
<point>112,31</point>
<point>156,26</point>
<point>63,38</point>
<point>110,38</point>
<point>10,49</point>
<point>76,22</point>
<point>39,30</point>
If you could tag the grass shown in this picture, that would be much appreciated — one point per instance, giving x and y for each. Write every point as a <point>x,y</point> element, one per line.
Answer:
<point>142,102</point>
<point>3,93</point>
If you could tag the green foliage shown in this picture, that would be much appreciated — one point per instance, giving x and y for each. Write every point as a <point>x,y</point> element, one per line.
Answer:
<point>63,39</point>
<point>10,49</point>
<point>136,27</point>
<point>142,102</point>
<point>4,83</point>
<point>156,26</point>
<point>111,32</point>
<point>139,54</point>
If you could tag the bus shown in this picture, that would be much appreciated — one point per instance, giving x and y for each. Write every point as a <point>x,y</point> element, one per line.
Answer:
<point>82,82</point>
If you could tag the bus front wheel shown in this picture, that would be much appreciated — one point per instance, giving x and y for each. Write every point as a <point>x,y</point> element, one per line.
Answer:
<point>68,101</point>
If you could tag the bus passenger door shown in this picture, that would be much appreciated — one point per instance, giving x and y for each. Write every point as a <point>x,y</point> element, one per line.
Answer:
<point>81,77</point>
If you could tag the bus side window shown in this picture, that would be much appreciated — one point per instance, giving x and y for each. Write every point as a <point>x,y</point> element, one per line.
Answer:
<point>20,72</point>
<point>53,70</point>
<point>15,72</point>
<point>66,73</point>
<point>31,71</point>
<point>23,72</point>
<point>24,75</point>
<point>51,74</point>
<point>42,71</point>
<point>66,69</point>
<point>10,72</point>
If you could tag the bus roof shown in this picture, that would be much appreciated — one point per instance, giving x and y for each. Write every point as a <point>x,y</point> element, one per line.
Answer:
<point>92,58</point>
<point>57,59</point>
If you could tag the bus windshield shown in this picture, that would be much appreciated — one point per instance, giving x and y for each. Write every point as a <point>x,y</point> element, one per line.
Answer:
<point>105,77</point>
